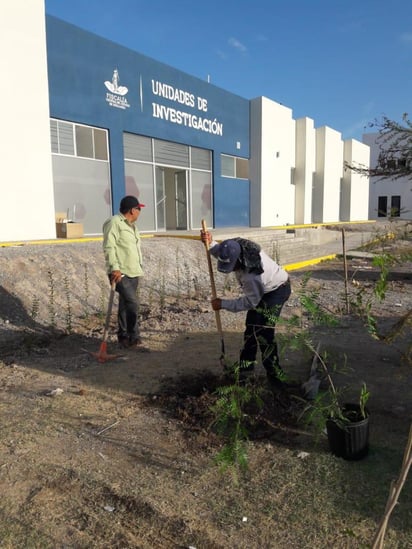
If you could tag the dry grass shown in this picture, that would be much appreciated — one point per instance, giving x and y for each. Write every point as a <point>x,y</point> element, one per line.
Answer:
<point>150,481</point>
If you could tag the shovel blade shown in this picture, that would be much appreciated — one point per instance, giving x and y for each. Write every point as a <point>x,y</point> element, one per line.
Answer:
<point>102,355</point>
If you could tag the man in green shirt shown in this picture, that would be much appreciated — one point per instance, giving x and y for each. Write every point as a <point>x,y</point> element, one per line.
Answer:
<point>123,256</point>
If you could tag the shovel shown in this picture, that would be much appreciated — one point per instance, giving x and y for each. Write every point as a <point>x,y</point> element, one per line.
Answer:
<point>102,355</point>
<point>217,313</point>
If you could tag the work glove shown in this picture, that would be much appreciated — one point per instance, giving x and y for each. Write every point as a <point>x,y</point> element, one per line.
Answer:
<point>216,304</point>
<point>205,237</point>
<point>115,276</point>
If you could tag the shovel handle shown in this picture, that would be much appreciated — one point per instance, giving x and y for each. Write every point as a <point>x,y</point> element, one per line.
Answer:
<point>109,311</point>
<point>212,280</point>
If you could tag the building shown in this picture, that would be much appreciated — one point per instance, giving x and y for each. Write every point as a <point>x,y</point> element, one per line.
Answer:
<point>88,121</point>
<point>387,197</point>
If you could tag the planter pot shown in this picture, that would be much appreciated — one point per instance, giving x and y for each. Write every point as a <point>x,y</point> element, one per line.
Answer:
<point>349,440</point>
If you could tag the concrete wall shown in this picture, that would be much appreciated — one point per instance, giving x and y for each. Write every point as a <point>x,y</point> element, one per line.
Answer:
<point>329,171</point>
<point>305,169</point>
<point>388,187</point>
<point>355,187</point>
<point>26,204</point>
<point>272,196</point>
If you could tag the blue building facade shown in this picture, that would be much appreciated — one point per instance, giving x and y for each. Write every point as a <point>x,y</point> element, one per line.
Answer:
<point>180,143</point>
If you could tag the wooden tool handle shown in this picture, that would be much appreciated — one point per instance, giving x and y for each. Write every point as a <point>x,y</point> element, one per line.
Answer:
<point>109,311</point>
<point>212,278</point>
<point>209,262</point>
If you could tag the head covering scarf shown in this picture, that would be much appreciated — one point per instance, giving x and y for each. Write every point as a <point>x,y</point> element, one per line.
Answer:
<point>249,258</point>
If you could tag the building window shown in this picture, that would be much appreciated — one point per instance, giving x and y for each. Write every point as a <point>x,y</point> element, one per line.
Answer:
<point>200,159</point>
<point>228,166</point>
<point>233,166</point>
<point>169,153</point>
<point>242,168</point>
<point>382,206</point>
<point>77,140</point>
<point>175,181</point>
<point>62,137</point>
<point>100,144</point>
<point>81,173</point>
<point>84,141</point>
<point>395,206</point>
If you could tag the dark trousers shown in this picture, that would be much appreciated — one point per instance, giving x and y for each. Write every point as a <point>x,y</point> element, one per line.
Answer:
<point>127,317</point>
<point>260,332</point>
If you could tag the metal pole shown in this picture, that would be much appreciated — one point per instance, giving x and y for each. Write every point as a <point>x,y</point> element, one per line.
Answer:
<point>345,269</point>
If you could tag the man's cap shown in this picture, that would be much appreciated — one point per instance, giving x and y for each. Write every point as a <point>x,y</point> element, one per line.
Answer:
<point>228,254</point>
<point>129,202</point>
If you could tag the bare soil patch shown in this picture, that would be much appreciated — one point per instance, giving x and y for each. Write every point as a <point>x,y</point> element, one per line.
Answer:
<point>122,455</point>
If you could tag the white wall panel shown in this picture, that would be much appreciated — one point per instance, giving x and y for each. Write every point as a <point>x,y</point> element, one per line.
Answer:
<point>329,172</point>
<point>355,187</point>
<point>255,162</point>
<point>305,169</point>
<point>273,143</point>
<point>25,169</point>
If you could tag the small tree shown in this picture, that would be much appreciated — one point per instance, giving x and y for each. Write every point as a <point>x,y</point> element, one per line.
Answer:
<point>395,144</point>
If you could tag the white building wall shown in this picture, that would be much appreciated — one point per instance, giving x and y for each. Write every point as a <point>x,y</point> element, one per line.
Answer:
<point>387,187</point>
<point>273,145</point>
<point>26,185</point>
<point>355,187</point>
<point>305,169</point>
<point>255,162</point>
<point>329,171</point>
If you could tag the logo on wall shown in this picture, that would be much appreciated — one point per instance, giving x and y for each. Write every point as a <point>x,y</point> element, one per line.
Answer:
<point>116,94</point>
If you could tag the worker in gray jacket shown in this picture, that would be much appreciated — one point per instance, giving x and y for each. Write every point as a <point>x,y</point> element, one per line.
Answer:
<point>266,287</point>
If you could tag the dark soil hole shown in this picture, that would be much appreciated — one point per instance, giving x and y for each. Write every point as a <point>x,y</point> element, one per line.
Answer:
<point>190,399</point>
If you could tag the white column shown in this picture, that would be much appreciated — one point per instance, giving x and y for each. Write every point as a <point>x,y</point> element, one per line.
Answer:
<point>305,169</point>
<point>355,187</point>
<point>26,184</point>
<point>272,196</point>
<point>329,172</point>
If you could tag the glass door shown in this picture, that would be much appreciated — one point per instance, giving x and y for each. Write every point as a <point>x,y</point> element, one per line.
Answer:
<point>181,199</point>
<point>160,199</point>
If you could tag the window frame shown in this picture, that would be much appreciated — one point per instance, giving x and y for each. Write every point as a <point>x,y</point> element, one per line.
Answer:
<point>382,212</point>
<point>240,164</point>
<point>395,210</point>
<point>100,147</point>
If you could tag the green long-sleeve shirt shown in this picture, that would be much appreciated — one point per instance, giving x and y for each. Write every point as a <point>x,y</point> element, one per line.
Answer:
<point>121,246</point>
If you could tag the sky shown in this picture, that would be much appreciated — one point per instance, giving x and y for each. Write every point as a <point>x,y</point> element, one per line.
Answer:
<point>343,63</point>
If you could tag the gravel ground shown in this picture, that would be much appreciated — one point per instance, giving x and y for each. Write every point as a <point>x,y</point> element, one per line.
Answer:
<point>57,284</point>
<point>43,285</point>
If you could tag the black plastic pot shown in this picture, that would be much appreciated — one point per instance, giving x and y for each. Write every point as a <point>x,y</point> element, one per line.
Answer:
<point>349,440</point>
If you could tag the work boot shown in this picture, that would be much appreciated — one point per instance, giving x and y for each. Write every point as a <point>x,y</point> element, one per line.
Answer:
<point>123,342</point>
<point>138,345</point>
<point>275,383</point>
<point>246,375</point>
<point>246,370</point>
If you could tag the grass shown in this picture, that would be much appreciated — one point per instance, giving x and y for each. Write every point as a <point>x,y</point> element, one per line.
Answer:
<point>319,501</point>
<point>166,490</point>
<point>315,502</point>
